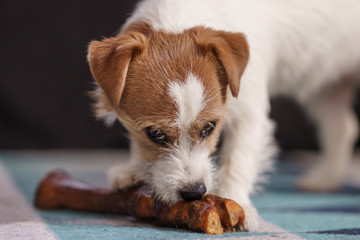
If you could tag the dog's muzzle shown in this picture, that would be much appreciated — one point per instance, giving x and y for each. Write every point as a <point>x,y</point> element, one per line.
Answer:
<point>194,192</point>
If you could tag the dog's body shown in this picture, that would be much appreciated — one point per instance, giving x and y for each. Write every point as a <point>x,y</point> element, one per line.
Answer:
<point>172,79</point>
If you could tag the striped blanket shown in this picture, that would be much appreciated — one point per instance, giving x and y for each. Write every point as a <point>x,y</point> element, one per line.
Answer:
<point>285,212</point>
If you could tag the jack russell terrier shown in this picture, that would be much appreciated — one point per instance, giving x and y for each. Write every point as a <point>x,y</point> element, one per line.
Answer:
<point>181,72</point>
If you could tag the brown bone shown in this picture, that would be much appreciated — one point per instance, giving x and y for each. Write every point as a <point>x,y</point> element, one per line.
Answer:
<point>212,214</point>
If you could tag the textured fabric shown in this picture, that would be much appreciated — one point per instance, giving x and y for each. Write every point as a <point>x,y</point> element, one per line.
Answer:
<point>18,220</point>
<point>286,213</point>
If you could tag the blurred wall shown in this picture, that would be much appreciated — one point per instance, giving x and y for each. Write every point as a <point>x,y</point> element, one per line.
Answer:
<point>45,77</point>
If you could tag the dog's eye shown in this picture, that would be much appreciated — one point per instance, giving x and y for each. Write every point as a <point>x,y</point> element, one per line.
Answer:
<point>207,129</point>
<point>156,135</point>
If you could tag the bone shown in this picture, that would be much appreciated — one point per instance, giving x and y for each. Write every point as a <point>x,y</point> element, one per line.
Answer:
<point>211,215</point>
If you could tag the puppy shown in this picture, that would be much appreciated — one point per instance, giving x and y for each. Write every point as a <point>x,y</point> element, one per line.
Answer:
<point>181,72</point>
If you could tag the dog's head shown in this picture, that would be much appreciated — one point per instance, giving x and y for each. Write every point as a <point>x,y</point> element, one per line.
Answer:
<point>169,90</point>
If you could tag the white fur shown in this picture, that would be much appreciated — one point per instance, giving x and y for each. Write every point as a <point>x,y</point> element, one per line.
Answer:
<point>296,48</point>
<point>189,98</point>
<point>102,107</point>
<point>181,166</point>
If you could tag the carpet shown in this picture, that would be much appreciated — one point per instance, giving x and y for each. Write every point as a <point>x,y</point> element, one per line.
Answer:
<point>285,212</point>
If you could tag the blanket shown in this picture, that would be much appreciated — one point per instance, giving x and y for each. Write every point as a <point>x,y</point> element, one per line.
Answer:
<point>285,212</point>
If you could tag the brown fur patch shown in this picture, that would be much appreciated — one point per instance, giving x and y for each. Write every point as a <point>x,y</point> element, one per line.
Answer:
<point>231,49</point>
<point>109,61</point>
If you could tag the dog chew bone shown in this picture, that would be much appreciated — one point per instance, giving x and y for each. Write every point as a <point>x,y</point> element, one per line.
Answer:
<point>212,214</point>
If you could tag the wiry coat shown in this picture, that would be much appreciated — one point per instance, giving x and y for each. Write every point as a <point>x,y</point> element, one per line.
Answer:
<point>305,49</point>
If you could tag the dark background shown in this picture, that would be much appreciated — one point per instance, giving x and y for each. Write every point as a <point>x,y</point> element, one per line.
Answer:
<point>45,77</point>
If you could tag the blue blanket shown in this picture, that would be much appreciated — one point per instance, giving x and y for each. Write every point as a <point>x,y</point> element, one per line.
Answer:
<point>286,213</point>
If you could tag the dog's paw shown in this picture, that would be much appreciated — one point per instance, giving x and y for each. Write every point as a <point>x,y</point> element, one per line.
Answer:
<point>121,176</point>
<point>319,179</point>
<point>251,222</point>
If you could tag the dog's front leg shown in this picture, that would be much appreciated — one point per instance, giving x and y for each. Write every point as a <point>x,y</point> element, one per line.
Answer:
<point>124,174</point>
<point>246,152</point>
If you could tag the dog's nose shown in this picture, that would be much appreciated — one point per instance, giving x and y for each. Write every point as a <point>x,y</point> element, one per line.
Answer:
<point>194,192</point>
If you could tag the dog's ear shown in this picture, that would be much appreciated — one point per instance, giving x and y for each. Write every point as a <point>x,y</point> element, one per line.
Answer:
<point>231,49</point>
<point>109,60</point>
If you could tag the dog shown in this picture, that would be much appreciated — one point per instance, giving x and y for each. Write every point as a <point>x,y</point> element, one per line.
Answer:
<point>181,73</point>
